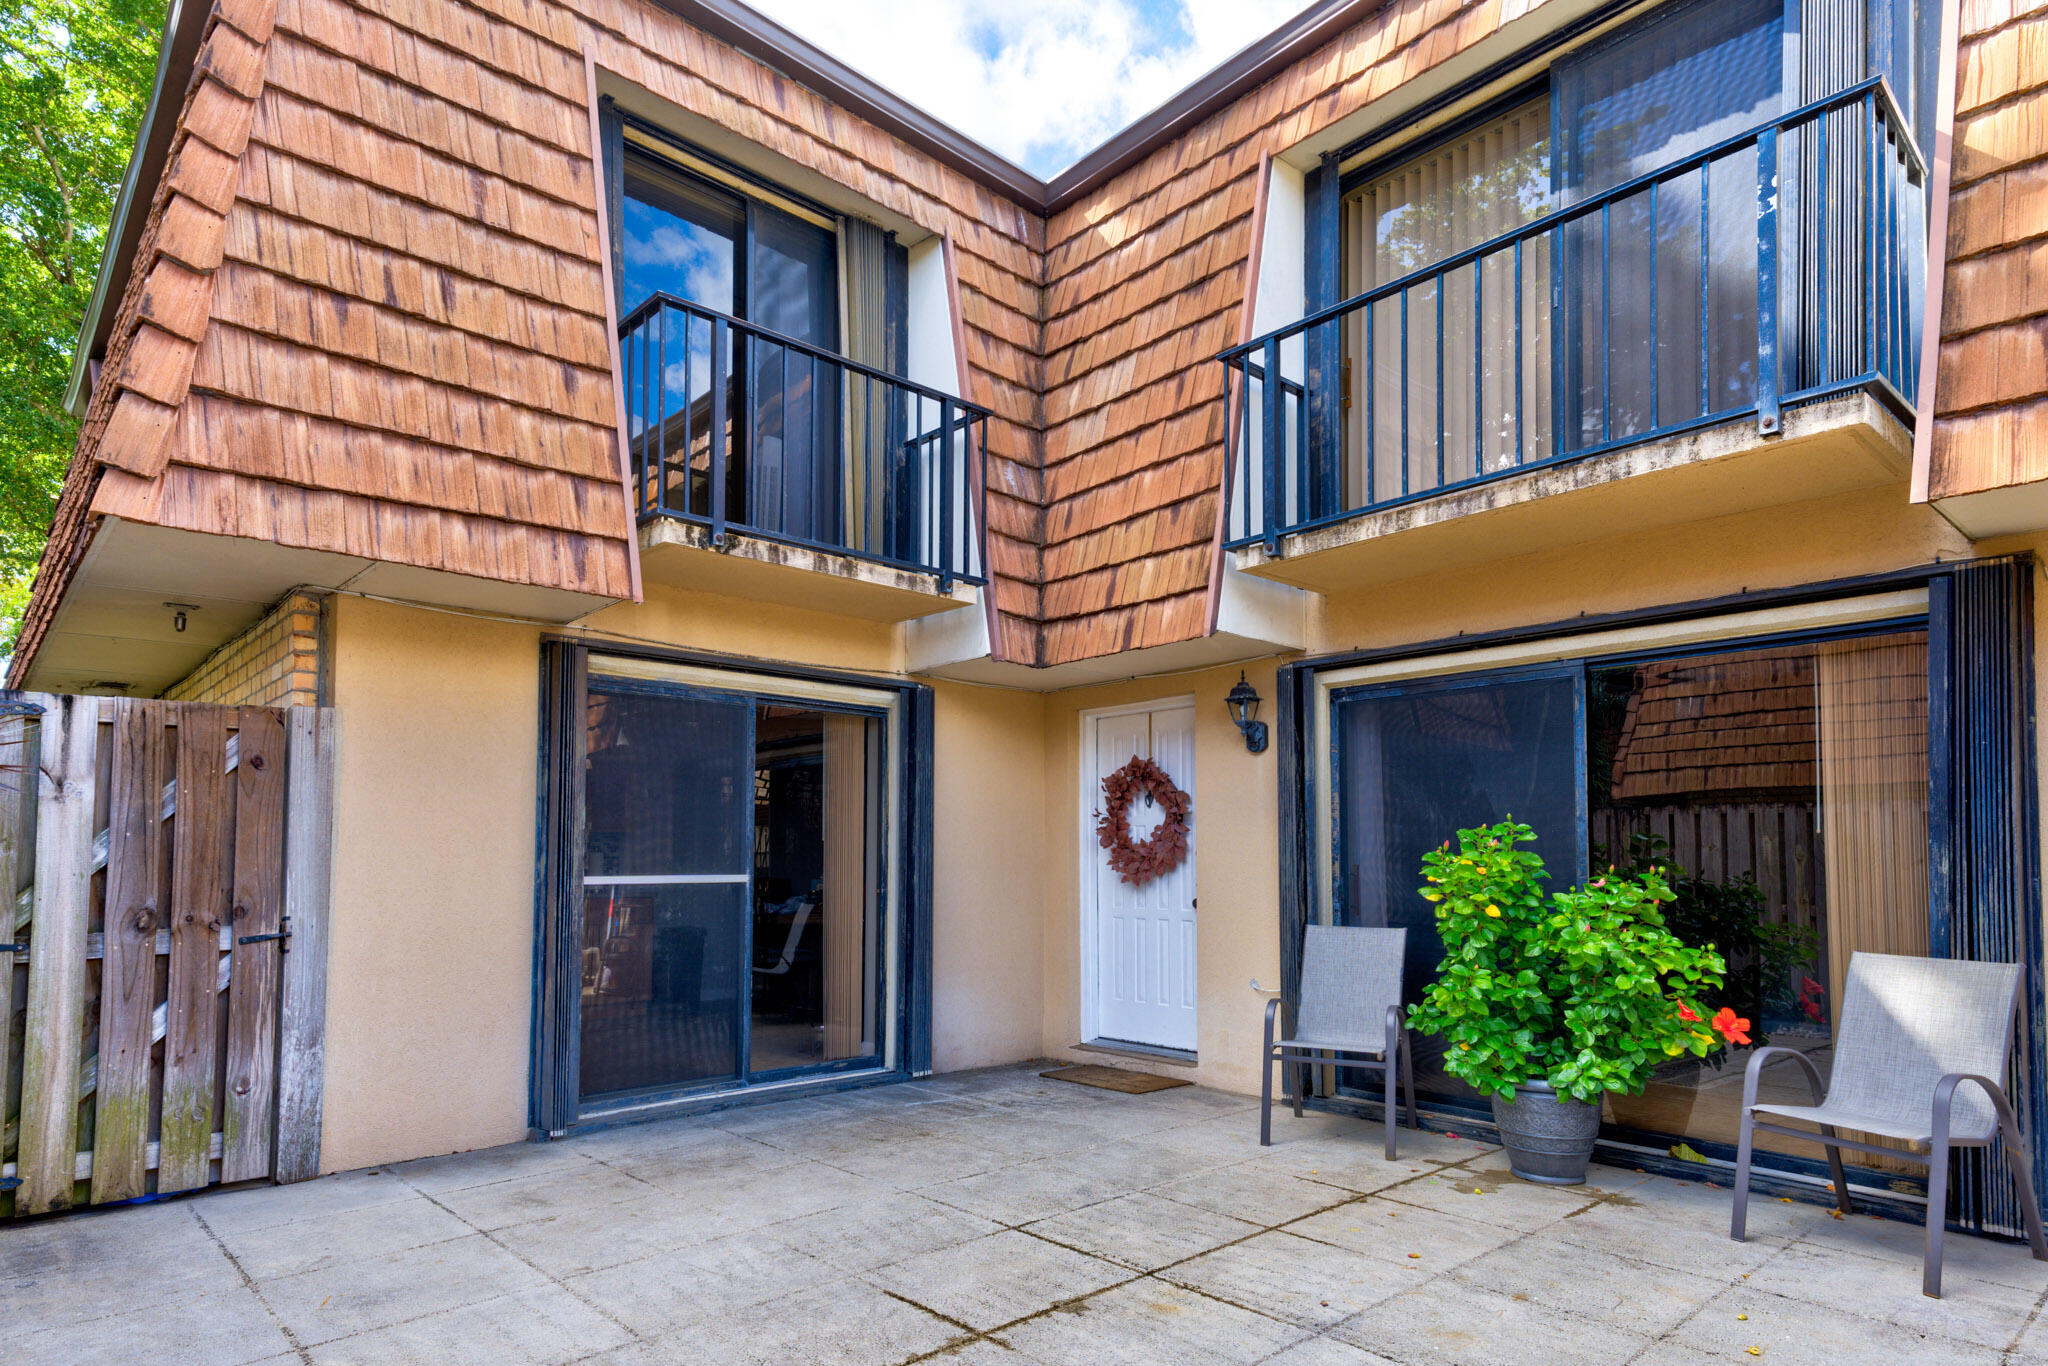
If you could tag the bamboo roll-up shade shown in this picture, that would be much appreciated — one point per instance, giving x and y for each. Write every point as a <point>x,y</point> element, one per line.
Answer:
<point>845,895</point>
<point>1873,801</point>
<point>1463,192</point>
<point>864,275</point>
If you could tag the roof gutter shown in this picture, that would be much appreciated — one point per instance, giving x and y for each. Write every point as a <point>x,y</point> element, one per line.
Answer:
<point>184,25</point>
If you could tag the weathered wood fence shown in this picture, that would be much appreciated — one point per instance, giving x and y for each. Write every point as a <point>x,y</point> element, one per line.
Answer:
<point>164,876</point>
<point>1775,842</point>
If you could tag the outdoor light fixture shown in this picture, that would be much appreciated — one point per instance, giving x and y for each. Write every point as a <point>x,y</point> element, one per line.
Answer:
<point>1243,701</point>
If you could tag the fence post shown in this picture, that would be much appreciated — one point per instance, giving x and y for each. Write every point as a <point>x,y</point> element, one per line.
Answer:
<point>309,824</point>
<point>255,914</point>
<point>66,779</point>
<point>17,866</point>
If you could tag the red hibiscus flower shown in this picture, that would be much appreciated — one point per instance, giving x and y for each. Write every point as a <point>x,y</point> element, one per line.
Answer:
<point>1731,1026</point>
<point>1685,1013</point>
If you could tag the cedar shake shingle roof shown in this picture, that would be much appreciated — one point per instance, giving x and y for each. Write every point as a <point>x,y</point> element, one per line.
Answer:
<point>1991,406</point>
<point>1145,283</point>
<point>367,313</point>
<point>1725,724</point>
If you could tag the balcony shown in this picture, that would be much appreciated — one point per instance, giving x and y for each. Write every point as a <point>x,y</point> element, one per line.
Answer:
<point>1773,277</point>
<point>759,460</point>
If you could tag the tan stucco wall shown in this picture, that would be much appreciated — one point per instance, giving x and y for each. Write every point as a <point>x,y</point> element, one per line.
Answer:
<point>1236,793</point>
<point>430,979</point>
<point>430,955</point>
<point>430,969</point>
<point>990,866</point>
<point>1236,834</point>
<point>1860,533</point>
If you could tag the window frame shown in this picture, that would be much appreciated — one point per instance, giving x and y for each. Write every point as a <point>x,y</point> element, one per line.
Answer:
<point>1981,718</point>
<point>555,1106</point>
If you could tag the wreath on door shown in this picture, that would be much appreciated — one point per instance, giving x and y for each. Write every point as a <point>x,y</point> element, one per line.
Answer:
<point>1167,847</point>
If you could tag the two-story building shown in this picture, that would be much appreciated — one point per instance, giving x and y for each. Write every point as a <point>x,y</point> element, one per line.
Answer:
<point>739,522</point>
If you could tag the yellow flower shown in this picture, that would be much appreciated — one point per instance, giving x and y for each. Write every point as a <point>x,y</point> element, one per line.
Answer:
<point>1493,911</point>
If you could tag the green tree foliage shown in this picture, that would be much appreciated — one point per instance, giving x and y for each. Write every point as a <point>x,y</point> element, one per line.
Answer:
<point>75,77</point>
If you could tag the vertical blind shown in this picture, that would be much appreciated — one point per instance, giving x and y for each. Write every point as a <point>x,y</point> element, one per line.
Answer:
<point>1457,195</point>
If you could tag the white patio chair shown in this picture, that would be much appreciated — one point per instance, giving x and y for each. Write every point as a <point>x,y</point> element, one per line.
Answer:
<point>1350,1017</point>
<point>1918,1044</point>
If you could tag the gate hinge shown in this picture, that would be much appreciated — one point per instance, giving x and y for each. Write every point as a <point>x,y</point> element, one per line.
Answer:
<point>283,934</point>
<point>14,948</point>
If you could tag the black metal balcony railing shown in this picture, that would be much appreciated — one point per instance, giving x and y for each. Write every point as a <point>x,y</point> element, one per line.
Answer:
<point>737,427</point>
<point>1776,267</point>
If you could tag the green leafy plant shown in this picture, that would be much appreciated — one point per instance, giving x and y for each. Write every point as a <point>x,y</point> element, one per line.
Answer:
<point>1769,963</point>
<point>1587,989</point>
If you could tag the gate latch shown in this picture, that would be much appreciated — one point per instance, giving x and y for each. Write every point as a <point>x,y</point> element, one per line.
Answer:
<point>285,933</point>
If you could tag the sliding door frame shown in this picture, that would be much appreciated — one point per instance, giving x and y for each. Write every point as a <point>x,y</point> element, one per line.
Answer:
<point>556,1107</point>
<point>1915,597</point>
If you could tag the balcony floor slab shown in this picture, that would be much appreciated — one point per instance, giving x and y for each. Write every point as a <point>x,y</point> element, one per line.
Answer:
<point>1825,449</point>
<point>679,554</point>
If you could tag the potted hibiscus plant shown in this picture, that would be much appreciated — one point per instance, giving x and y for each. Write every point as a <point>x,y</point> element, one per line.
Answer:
<point>1548,1000</point>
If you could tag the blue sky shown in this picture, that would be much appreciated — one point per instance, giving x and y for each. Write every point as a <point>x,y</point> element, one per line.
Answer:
<point>1039,81</point>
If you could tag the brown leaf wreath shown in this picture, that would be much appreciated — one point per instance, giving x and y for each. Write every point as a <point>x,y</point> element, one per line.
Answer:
<point>1167,848</point>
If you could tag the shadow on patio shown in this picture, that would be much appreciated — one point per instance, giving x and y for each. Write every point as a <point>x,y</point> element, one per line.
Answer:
<point>994,1217</point>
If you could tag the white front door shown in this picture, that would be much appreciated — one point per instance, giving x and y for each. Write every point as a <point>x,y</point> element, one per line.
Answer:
<point>1142,942</point>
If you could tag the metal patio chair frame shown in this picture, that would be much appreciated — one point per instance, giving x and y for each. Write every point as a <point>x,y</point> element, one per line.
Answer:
<point>1876,984</point>
<point>1335,1032</point>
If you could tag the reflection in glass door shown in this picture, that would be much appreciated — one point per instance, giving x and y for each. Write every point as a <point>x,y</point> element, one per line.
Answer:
<point>1421,761</point>
<point>733,897</point>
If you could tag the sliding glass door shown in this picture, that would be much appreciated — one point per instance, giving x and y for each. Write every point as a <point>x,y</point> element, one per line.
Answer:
<point>1783,791</point>
<point>711,245</point>
<point>736,898</point>
<point>1780,786</point>
<point>665,887</point>
<point>1418,762</point>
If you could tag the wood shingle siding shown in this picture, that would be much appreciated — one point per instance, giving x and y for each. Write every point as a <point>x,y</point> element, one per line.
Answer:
<point>1991,386</point>
<point>368,313</point>
<point>1145,282</point>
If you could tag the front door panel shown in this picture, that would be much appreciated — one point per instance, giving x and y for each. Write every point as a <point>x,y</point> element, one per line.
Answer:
<point>1144,937</point>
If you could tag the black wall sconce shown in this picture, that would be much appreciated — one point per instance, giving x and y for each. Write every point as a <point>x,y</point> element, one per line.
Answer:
<point>1243,701</point>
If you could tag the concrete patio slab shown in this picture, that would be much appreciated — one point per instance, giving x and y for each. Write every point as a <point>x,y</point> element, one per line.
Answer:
<point>1094,1228</point>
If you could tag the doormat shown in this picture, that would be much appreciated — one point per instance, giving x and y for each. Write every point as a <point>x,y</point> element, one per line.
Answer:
<point>1115,1079</point>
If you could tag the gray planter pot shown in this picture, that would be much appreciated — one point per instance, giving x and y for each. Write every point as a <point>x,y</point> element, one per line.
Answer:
<point>1549,1139</point>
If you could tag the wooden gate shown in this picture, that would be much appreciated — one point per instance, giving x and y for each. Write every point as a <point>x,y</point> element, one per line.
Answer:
<point>163,873</point>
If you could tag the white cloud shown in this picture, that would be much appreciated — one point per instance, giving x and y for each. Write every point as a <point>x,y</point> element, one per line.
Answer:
<point>1041,83</point>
